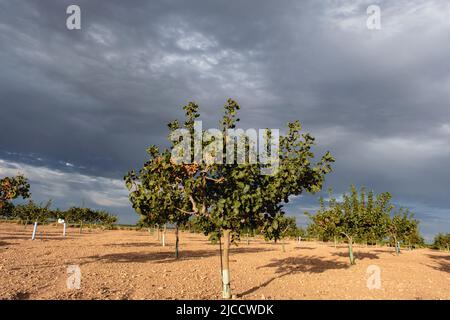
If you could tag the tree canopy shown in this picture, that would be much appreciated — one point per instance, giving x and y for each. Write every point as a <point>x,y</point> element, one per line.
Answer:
<point>12,188</point>
<point>364,217</point>
<point>210,180</point>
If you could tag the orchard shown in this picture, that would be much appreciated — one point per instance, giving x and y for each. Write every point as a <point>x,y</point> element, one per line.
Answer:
<point>232,185</point>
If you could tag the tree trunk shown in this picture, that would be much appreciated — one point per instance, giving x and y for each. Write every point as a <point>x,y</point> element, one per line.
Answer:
<point>226,289</point>
<point>350,251</point>
<point>177,240</point>
<point>248,239</point>
<point>282,246</point>
<point>164,236</point>
<point>81,226</point>
<point>26,224</point>
<point>397,249</point>
<point>64,229</point>
<point>335,242</point>
<point>157,232</point>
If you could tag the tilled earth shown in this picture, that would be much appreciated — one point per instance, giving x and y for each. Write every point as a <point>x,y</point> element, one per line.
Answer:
<point>128,264</point>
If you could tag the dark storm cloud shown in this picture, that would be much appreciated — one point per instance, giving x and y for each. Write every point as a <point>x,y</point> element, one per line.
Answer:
<point>96,98</point>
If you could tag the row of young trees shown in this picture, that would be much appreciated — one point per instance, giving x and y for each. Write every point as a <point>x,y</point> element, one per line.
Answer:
<point>442,241</point>
<point>14,187</point>
<point>364,217</point>
<point>225,197</point>
<point>42,213</point>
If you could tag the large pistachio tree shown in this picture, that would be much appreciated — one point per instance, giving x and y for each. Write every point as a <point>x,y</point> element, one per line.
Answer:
<point>222,180</point>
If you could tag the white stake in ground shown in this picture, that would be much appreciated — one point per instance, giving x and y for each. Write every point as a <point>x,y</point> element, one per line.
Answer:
<point>34,231</point>
<point>64,226</point>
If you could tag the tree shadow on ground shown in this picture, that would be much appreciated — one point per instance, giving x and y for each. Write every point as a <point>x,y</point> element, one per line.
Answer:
<point>357,255</point>
<point>303,248</point>
<point>167,257</point>
<point>20,295</point>
<point>17,238</point>
<point>442,262</point>
<point>387,250</point>
<point>132,244</point>
<point>294,265</point>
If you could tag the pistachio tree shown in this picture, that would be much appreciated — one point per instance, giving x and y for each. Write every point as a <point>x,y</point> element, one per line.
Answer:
<point>278,228</point>
<point>442,241</point>
<point>365,217</point>
<point>356,217</point>
<point>32,212</point>
<point>212,183</point>
<point>12,188</point>
<point>325,222</point>
<point>80,215</point>
<point>37,213</point>
<point>402,228</point>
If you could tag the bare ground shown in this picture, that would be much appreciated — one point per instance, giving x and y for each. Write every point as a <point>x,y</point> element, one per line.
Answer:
<point>133,265</point>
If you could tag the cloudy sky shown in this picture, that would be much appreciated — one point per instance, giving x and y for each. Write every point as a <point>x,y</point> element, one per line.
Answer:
<point>79,107</point>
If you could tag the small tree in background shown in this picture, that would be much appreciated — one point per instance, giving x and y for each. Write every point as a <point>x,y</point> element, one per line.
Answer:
<point>12,188</point>
<point>325,223</point>
<point>442,241</point>
<point>355,217</point>
<point>105,219</point>
<point>32,212</point>
<point>403,228</point>
<point>80,215</point>
<point>362,218</point>
<point>279,228</point>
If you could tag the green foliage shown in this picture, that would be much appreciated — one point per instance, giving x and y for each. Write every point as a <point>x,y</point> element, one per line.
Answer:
<point>87,216</point>
<point>442,241</point>
<point>7,210</point>
<point>32,212</point>
<point>224,196</point>
<point>12,188</point>
<point>155,193</point>
<point>279,227</point>
<point>403,228</point>
<point>360,217</point>
<point>365,218</point>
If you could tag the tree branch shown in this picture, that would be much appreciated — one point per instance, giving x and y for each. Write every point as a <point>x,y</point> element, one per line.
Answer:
<point>184,211</point>
<point>194,205</point>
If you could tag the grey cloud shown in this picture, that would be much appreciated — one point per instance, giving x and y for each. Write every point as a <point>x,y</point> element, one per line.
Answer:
<point>96,98</point>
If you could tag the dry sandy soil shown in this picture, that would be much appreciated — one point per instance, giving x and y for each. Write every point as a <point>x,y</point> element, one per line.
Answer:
<point>133,265</point>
